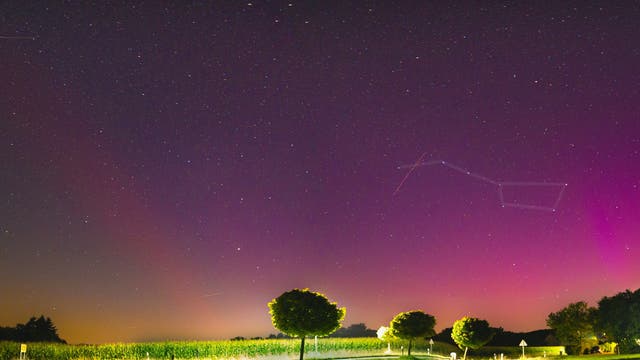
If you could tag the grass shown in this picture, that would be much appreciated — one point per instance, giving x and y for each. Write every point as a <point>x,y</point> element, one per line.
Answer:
<point>601,357</point>
<point>516,351</point>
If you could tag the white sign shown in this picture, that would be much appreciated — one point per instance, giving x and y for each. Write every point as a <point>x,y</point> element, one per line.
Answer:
<point>523,344</point>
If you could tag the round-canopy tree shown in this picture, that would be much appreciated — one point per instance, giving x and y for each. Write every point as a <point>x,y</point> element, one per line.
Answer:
<point>574,326</point>
<point>471,333</point>
<point>412,324</point>
<point>300,313</point>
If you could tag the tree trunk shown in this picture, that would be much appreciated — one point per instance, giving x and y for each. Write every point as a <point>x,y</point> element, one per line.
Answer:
<point>409,350</point>
<point>464,357</point>
<point>302,349</point>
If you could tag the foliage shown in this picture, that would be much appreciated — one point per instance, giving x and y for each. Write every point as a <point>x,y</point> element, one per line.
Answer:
<point>301,313</point>
<point>544,337</point>
<point>574,326</point>
<point>411,325</point>
<point>36,329</point>
<point>384,334</point>
<point>608,347</point>
<point>277,336</point>
<point>472,333</point>
<point>445,336</point>
<point>618,317</point>
<point>539,338</point>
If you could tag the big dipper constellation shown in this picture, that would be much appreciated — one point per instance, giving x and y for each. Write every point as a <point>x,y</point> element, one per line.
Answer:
<point>501,185</point>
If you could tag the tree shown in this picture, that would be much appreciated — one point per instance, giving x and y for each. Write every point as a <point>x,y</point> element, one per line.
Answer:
<point>410,325</point>
<point>574,326</point>
<point>472,333</point>
<point>301,313</point>
<point>384,334</point>
<point>354,331</point>
<point>618,317</point>
<point>444,336</point>
<point>36,329</point>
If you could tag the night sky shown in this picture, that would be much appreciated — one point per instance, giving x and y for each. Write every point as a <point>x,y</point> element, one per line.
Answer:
<point>168,169</point>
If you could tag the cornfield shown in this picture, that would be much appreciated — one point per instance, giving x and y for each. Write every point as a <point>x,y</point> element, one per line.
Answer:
<point>204,350</point>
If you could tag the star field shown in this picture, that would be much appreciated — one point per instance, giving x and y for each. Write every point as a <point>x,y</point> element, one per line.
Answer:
<point>168,169</point>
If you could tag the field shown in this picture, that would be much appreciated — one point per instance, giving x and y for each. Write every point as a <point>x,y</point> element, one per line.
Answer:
<point>331,348</point>
<point>265,349</point>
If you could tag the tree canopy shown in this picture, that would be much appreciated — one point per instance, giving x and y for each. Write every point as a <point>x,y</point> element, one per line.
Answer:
<point>384,334</point>
<point>618,317</point>
<point>471,333</point>
<point>574,326</point>
<point>412,324</point>
<point>300,313</point>
<point>39,329</point>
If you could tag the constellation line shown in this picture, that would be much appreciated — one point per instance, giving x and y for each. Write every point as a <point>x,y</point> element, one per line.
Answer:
<point>500,184</point>
<point>5,37</point>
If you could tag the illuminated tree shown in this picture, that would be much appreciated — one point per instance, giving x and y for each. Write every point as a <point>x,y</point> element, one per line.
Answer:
<point>411,325</point>
<point>300,313</point>
<point>385,335</point>
<point>471,333</point>
<point>573,325</point>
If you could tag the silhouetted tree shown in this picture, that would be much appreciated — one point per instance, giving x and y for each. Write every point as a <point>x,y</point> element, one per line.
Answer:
<point>444,336</point>
<point>619,318</point>
<point>354,331</point>
<point>543,337</point>
<point>35,330</point>
<point>8,333</point>
<point>301,313</point>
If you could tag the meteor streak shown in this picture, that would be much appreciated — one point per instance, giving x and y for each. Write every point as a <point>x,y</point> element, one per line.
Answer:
<point>415,165</point>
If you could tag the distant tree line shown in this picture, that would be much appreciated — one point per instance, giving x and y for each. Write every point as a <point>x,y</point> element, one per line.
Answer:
<point>39,329</point>
<point>545,337</point>
<point>354,331</point>
<point>359,330</point>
